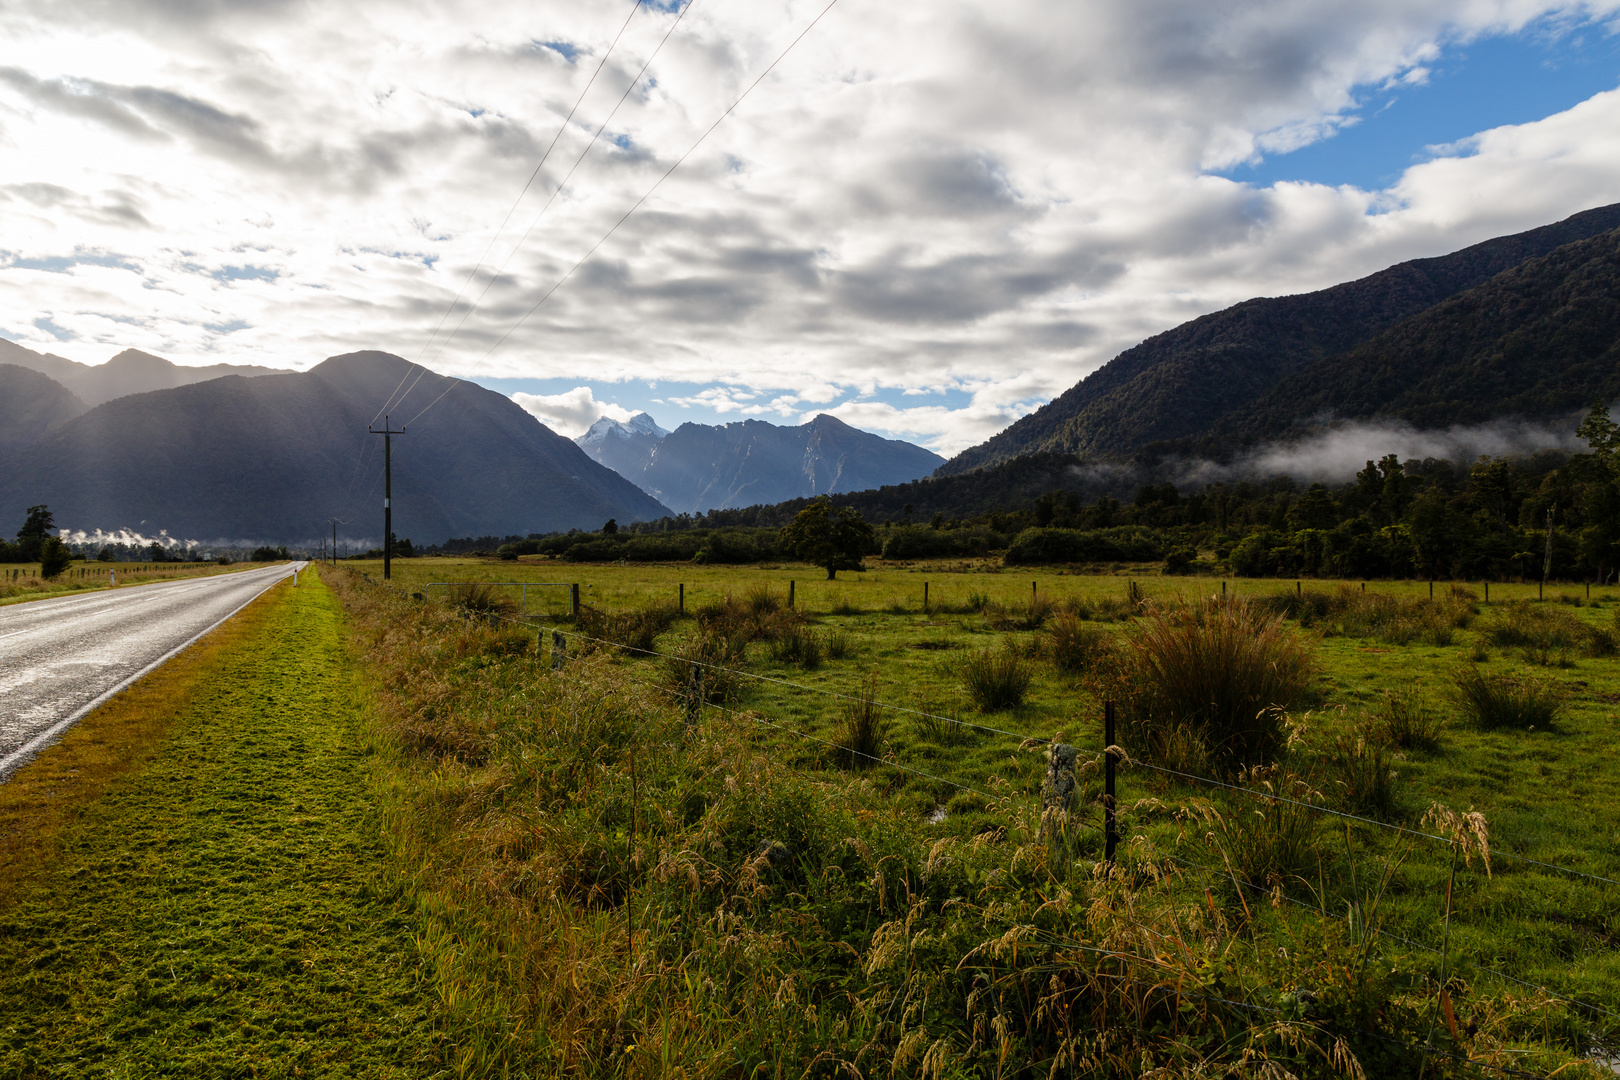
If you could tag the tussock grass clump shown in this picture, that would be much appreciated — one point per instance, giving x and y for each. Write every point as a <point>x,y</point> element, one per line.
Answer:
<point>839,645</point>
<point>799,646</point>
<point>1027,616</point>
<point>480,600</point>
<point>1073,645</point>
<point>709,662</point>
<point>1494,702</point>
<point>1217,674</point>
<point>1360,770</point>
<point>1266,837</point>
<point>761,599</point>
<point>636,630</point>
<point>996,679</point>
<point>1392,620</point>
<point>846,606</point>
<point>1406,722</point>
<point>758,619</point>
<point>863,725</point>
<point>1522,623</point>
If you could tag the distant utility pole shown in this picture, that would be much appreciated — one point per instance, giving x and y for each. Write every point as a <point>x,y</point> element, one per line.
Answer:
<point>334,522</point>
<point>388,434</point>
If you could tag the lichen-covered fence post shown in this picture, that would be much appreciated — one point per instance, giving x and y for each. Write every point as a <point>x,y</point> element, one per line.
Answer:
<point>559,650</point>
<point>1058,803</point>
<point>694,697</point>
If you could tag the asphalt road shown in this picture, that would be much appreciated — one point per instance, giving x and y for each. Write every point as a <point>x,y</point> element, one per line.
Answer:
<point>61,658</point>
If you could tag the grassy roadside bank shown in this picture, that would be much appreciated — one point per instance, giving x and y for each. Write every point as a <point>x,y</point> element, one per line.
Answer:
<point>228,906</point>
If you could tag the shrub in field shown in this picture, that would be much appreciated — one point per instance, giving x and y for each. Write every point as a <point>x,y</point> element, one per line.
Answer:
<point>1405,722</point>
<point>800,647</point>
<point>1361,772</point>
<point>863,724</point>
<point>1266,836</point>
<point>1492,702</point>
<point>995,679</point>
<point>1073,645</point>
<point>1216,673</point>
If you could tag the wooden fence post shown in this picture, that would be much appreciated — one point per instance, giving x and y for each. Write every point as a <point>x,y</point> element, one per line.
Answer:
<point>559,650</point>
<point>925,598</point>
<point>790,593</point>
<point>1057,802</point>
<point>683,598</point>
<point>1110,826</point>
<point>573,600</point>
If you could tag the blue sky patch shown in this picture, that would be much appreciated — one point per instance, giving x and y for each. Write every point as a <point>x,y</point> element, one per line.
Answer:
<point>245,273</point>
<point>565,49</point>
<point>1471,88</point>
<point>61,264</point>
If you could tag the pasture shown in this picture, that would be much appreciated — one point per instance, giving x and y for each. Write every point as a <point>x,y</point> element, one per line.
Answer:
<point>951,765</point>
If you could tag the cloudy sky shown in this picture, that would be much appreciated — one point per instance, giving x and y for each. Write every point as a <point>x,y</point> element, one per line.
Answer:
<point>925,219</point>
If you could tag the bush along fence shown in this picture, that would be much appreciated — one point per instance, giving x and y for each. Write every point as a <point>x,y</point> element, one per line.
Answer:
<point>1241,848</point>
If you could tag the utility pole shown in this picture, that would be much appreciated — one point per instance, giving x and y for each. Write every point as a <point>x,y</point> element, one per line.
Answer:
<point>334,522</point>
<point>388,434</point>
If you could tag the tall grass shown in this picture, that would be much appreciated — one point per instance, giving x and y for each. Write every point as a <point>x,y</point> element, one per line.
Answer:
<point>1492,702</point>
<point>1073,645</point>
<point>863,725</point>
<point>996,679</point>
<point>1361,772</point>
<point>1406,722</point>
<point>1267,836</point>
<point>1210,678</point>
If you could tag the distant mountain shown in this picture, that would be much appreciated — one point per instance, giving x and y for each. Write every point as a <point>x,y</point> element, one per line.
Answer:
<point>1539,341</point>
<point>701,467</point>
<point>272,458</point>
<point>1179,384</point>
<point>31,407</point>
<point>130,372</point>
<point>625,448</point>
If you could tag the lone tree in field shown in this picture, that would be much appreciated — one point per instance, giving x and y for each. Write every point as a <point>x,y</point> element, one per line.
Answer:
<point>826,537</point>
<point>34,531</point>
<point>54,557</point>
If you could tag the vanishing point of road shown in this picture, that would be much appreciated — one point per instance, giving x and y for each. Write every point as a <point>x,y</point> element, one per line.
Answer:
<point>62,657</point>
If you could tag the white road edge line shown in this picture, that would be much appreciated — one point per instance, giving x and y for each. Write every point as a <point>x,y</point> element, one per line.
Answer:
<point>24,753</point>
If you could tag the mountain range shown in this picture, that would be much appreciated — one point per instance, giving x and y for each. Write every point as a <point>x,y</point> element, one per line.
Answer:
<point>274,456</point>
<point>130,372</point>
<point>1279,366</point>
<point>702,467</point>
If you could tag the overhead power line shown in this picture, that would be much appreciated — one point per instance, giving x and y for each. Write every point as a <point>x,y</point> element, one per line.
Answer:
<point>637,204</point>
<point>387,404</point>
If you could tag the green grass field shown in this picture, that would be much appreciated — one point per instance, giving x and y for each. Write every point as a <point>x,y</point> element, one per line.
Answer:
<point>1548,795</point>
<point>538,854</point>
<point>227,906</point>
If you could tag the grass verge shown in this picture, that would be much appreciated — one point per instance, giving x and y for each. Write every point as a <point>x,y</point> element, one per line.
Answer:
<point>221,901</point>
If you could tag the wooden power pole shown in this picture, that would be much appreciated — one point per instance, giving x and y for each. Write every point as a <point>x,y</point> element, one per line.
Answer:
<point>388,434</point>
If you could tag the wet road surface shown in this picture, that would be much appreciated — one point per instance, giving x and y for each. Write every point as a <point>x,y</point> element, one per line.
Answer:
<point>60,658</point>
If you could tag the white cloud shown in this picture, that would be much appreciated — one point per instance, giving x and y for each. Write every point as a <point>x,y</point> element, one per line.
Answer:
<point>570,414</point>
<point>989,195</point>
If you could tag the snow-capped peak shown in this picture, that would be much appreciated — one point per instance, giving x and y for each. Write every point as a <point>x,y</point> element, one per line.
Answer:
<point>608,428</point>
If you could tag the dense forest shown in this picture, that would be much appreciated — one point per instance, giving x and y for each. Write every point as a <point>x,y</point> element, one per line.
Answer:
<point>1494,518</point>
